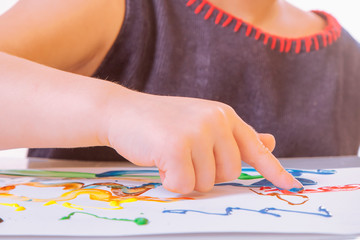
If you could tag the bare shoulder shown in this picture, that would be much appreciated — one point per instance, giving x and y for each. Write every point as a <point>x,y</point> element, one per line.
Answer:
<point>72,35</point>
<point>303,22</point>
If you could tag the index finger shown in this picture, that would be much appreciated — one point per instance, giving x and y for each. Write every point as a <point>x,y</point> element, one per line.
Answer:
<point>254,153</point>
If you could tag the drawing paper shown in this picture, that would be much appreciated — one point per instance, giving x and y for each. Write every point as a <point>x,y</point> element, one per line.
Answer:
<point>329,206</point>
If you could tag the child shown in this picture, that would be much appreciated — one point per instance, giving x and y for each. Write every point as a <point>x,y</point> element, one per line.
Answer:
<point>184,80</point>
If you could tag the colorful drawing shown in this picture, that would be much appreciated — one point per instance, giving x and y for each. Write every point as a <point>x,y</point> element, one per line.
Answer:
<point>67,201</point>
<point>118,192</point>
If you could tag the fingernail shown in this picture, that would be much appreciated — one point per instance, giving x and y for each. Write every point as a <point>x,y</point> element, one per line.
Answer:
<point>295,190</point>
<point>292,190</point>
<point>299,187</point>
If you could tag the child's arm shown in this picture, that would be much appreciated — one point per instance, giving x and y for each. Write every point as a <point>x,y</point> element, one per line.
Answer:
<point>72,35</point>
<point>193,142</point>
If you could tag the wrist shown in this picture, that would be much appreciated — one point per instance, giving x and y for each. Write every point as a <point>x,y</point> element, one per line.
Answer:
<point>115,108</point>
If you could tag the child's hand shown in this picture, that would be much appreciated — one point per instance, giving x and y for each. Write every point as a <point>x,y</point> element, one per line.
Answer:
<point>195,143</point>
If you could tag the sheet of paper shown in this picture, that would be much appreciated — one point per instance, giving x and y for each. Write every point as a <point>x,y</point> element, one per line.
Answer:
<point>135,203</point>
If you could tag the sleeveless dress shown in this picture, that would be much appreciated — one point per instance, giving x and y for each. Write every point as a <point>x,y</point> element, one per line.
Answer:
<point>305,91</point>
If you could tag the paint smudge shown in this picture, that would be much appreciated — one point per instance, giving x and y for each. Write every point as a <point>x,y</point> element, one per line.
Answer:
<point>14,205</point>
<point>138,221</point>
<point>1,220</point>
<point>322,212</point>
<point>245,176</point>
<point>130,173</point>
<point>294,172</point>
<point>122,190</point>
<point>265,183</point>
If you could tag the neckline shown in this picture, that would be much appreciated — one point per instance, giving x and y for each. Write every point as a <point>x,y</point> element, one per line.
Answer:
<point>314,42</point>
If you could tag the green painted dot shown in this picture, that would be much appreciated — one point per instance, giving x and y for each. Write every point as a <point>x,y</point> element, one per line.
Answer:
<point>141,221</point>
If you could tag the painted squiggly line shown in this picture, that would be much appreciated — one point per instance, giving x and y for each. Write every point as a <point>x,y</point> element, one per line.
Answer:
<point>268,211</point>
<point>138,221</point>
<point>280,197</point>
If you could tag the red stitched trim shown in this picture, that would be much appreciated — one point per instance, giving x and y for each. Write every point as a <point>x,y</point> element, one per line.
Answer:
<point>218,17</point>
<point>298,45</point>
<point>200,7</point>
<point>258,34</point>
<point>308,44</point>
<point>330,38</point>
<point>288,45</point>
<point>227,21</point>
<point>190,2</point>
<point>327,37</point>
<point>248,30</point>
<point>316,43</point>
<point>238,25</point>
<point>273,44</point>
<point>208,14</point>
<point>324,39</point>
<point>282,44</point>
<point>266,38</point>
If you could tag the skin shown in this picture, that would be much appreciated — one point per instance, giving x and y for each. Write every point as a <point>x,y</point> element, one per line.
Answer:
<point>47,99</point>
<point>276,17</point>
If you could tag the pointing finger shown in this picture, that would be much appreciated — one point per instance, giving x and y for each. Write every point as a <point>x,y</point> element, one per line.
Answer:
<point>254,152</point>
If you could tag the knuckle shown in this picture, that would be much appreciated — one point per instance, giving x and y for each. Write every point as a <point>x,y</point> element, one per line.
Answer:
<point>224,114</point>
<point>226,110</point>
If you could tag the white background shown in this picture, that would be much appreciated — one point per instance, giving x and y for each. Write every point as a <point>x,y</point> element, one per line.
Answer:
<point>346,12</point>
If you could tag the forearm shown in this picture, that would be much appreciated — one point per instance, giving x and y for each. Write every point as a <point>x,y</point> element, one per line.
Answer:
<point>45,107</point>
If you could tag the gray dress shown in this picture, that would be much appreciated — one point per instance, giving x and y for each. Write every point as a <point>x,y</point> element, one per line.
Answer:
<point>305,91</point>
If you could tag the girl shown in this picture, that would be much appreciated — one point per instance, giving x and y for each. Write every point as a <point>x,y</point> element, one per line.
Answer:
<point>178,84</point>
